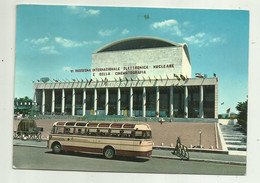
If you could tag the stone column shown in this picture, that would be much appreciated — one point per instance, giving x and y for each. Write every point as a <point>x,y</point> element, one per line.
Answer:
<point>216,100</point>
<point>118,101</point>
<point>43,101</point>
<point>34,96</point>
<point>171,101</point>
<point>201,112</point>
<point>186,102</point>
<point>73,102</point>
<point>144,102</point>
<point>95,101</point>
<point>157,101</point>
<point>63,101</point>
<point>107,101</point>
<point>131,102</point>
<point>84,102</point>
<point>53,101</point>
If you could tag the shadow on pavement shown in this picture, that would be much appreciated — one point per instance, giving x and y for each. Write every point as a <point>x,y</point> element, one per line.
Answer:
<point>100,156</point>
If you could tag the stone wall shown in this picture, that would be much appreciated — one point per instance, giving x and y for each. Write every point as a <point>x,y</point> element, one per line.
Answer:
<point>152,57</point>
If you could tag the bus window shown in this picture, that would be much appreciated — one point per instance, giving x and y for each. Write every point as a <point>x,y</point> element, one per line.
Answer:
<point>115,133</point>
<point>57,130</point>
<point>80,131</point>
<point>127,133</point>
<point>103,132</point>
<point>139,134</point>
<point>148,134</point>
<point>69,130</point>
<point>93,132</point>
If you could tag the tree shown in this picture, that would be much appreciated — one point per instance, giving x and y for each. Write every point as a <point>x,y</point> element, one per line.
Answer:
<point>22,104</point>
<point>242,116</point>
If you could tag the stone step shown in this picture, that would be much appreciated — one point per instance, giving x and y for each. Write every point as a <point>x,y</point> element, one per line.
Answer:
<point>234,139</point>
<point>233,135</point>
<point>235,143</point>
<point>236,147</point>
<point>240,153</point>
<point>233,132</point>
<point>231,129</point>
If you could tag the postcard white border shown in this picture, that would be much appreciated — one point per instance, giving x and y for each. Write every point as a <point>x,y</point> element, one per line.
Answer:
<point>7,58</point>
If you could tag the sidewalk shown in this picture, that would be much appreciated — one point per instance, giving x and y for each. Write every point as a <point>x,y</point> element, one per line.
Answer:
<point>30,143</point>
<point>203,157</point>
<point>163,153</point>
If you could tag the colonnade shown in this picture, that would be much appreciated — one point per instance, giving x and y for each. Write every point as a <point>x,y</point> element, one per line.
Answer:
<point>131,101</point>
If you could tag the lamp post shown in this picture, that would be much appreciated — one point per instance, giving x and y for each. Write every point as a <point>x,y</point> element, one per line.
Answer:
<point>200,138</point>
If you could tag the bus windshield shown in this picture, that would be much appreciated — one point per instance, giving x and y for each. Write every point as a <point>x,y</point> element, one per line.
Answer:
<point>143,134</point>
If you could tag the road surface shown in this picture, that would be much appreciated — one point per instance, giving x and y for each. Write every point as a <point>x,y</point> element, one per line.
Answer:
<point>44,159</point>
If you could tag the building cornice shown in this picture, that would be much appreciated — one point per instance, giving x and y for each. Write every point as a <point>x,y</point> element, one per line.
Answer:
<point>127,84</point>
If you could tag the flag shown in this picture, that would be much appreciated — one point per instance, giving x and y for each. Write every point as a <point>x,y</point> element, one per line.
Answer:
<point>90,81</point>
<point>132,79</point>
<point>228,110</point>
<point>222,103</point>
<point>178,78</point>
<point>38,81</point>
<point>55,80</point>
<point>126,79</point>
<point>215,75</point>
<point>32,81</point>
<point>105,81</point>
<point>183,77</point>
<point>198,75</point>
<point>149,79</point>
<point>167,77</point>
<point>120,79</point>
<point>74,80</point>
<point>71,70</point>
<point>216,79</point>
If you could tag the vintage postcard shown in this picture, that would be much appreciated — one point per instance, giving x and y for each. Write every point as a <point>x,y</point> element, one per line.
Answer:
<point>133,90</point>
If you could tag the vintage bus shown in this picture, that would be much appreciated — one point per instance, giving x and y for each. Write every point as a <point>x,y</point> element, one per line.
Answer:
<point>110,139</point>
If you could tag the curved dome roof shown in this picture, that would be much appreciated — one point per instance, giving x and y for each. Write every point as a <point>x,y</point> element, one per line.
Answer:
<point>137,43</point>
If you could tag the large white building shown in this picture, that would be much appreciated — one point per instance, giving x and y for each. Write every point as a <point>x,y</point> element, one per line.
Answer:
<point>134,77</point>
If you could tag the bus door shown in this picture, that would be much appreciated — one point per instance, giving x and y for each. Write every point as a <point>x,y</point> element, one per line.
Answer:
<point>68,138</point>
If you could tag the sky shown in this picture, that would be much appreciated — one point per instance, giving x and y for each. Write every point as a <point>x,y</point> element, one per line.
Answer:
<point>52,40</point>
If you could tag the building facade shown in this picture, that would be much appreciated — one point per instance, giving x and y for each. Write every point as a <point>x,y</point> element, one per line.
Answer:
<point>140,76</point>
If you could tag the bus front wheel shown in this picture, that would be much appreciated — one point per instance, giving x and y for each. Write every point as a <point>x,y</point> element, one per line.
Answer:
<point>56,148</point>
<point>109,152</point>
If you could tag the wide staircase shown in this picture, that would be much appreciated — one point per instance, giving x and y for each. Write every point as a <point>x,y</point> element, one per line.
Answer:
<point>235,139</point>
